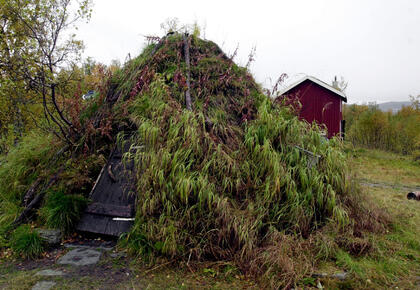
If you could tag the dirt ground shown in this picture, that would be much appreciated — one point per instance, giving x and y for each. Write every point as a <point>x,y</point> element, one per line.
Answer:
<point>114,271</point>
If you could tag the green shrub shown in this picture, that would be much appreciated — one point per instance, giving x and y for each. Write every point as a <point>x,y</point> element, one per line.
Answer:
<point>370,127</point>
<point>26,242</point>
<point>63,211</point>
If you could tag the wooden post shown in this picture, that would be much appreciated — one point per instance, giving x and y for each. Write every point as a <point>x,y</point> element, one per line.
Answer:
<point>187,62</point>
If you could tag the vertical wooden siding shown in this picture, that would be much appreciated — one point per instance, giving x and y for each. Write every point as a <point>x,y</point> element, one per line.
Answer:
<point>318,104</point>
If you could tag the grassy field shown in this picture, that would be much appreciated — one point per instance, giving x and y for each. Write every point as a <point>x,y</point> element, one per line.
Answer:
<point>385,167</point>
<point>393,262</point>
<point>396,261</point>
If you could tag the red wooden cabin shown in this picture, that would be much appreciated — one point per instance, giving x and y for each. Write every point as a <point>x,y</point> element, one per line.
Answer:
<point>320,102</point>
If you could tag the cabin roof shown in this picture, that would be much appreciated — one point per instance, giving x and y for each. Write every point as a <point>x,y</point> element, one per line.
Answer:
<point>318,82</point>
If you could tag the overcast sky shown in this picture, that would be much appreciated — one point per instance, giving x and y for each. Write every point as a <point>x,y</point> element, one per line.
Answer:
<point>373,44</point>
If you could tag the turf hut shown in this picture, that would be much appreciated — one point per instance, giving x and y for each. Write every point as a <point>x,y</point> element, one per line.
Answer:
<point>221,170</point>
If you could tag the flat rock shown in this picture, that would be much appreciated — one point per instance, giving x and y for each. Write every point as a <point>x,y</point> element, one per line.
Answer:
<point>341,276</point>
<point>320,275</point>
<point>118,254</point>
<point>50,273</point>
<point>80,257</point>
<point>43,285</point>
<point>51,236</point>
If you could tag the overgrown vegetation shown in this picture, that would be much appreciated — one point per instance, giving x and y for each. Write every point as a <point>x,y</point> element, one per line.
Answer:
<point>21,167</point>
<point>227,181</point>
<point>34,163</point>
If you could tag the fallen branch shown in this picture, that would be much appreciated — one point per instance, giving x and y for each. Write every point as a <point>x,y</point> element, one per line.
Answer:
<point>26,214</point>
<point>30,193</point>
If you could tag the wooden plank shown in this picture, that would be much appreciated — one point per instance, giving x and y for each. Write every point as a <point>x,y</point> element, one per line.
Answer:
<point>104,225</point>
<point>113,197</point>
<point>110,209</point>
<point>97,181</point>
<point>115,188</point>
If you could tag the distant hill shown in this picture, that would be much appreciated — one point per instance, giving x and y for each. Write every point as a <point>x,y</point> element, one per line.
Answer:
<point>393,106</point>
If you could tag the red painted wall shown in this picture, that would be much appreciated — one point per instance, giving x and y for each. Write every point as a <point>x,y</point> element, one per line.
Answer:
<point>318,104</point>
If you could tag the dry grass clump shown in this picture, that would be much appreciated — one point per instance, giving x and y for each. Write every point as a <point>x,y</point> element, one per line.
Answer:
<point>283,262</point>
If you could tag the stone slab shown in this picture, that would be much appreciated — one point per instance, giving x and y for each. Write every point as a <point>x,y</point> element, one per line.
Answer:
<point>80,257</point>
<point>341,276</point>
<point>48,272</point>
<point>43,285</point>
<point>51,236</point>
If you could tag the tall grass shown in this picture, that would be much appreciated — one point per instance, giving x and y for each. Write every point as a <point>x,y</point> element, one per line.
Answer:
<point>26,242</point>
<point>63,211</point>
<point>39,156</point>
<point>18,169</point>
<point>263,183</point>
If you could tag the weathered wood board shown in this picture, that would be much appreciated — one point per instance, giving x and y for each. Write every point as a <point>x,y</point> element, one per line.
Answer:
<point>113,198</point>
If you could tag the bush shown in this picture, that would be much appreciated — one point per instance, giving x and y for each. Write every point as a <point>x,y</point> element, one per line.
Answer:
<point>370,127</point>
<point>63,211</point>
<point>26,242</point>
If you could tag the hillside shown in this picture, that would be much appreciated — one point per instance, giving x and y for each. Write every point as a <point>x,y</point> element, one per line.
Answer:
<point>393,106</point>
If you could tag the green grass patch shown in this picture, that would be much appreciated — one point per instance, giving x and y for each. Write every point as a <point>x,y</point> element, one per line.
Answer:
<point>26,242</point>
<point>63,211</point>
<point>387,167</point>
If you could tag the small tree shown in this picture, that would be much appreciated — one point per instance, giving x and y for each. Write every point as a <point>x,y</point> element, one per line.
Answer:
<point>415,102</point>
<point>35,45</point>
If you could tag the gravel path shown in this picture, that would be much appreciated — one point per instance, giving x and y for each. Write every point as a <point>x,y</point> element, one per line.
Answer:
<point>369,183</point>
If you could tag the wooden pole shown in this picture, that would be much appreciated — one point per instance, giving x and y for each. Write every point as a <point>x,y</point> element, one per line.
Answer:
<point>187,62</point>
